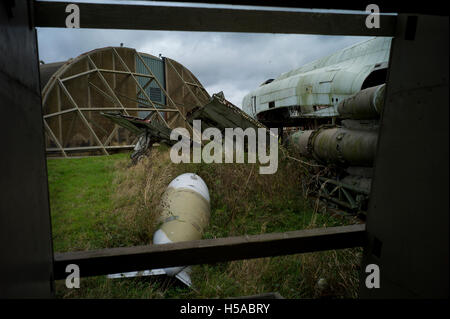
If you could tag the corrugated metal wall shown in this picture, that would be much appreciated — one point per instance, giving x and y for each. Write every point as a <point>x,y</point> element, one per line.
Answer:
<point>152,90</point>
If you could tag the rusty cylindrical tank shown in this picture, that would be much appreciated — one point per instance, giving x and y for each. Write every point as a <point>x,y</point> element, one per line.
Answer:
<point>337,145</point>
<point>364,105</point>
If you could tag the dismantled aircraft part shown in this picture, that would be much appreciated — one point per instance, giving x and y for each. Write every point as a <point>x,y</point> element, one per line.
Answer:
<point>361,125</point>
<point>359,183</point>
<point>337,145</point>
<point>366,104</point>
<point>366,172</point>
<point>181,273</point>
<point>149,131</point>
<point>291,116</point>
<point>157,132</point>
<point>314,90</point>
<point>343,146</point>
<point>185,213</point>
<point>335,102</point>
<point>141,147</point>
<point>350,193</point>
<point>221,114</point>
<point>351,146</point>
<point>218,113</point>
<point>299,144</point>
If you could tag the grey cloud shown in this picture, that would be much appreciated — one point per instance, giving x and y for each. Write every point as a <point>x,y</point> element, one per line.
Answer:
<point>235,63</point>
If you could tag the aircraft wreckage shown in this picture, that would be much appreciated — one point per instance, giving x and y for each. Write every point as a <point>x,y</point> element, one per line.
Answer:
<point>328,111</point>
<point>333,105</point>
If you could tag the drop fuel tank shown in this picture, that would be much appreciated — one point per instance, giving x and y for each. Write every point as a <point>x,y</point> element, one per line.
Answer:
<point>184,215</point>
<point>337,145</point>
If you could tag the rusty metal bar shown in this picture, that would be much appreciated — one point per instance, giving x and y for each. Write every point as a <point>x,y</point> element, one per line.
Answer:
<point>350,187</point>
<point>52,135</point>
<point>138,84</point>
<point>102,78</point>
<point>109,138</point>
<point>87,148</point>
<point>200,104</point>
<point>114,260</point>
<point>78,75</point>
<point>138,17</point>
<point>83,118</point>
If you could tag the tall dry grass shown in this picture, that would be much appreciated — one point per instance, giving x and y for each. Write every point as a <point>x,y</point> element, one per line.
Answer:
<point>242,202</point>
<point>237,192</point>
<point>138,191</point>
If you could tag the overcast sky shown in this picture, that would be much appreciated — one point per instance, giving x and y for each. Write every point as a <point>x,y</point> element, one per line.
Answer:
<point>234,63</point>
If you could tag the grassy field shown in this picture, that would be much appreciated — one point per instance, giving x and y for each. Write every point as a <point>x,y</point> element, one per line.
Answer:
<point>101,202</point>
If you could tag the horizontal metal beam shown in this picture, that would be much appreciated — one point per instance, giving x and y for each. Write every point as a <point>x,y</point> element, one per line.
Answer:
<point>350,187</point>
<point>141,17</point>
<point>387,6</point>
<point>88,148</point>
<point>127,73</point>
<point>74,109</point>
<point>124,259</point>
<point>96,109</point>
<point>78,75</point>
<point>337,201</point>
<point>106,71</point>
<point>126,108</point>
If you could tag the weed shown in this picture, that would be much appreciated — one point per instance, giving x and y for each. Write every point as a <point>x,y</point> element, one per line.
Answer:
<point>101,202</point>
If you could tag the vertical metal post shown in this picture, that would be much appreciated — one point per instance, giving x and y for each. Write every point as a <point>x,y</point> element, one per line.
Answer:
<point>26,252</point>
<point>408,215</point>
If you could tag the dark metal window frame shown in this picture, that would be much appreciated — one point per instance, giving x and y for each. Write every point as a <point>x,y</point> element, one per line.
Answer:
<point>139,17</point>
<point>406,231</point>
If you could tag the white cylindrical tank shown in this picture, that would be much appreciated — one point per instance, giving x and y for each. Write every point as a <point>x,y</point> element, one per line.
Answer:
<point>185,213</point>
<point>185,210</point>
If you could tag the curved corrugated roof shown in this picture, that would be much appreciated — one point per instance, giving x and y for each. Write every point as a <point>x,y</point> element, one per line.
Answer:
<point>47,70</point>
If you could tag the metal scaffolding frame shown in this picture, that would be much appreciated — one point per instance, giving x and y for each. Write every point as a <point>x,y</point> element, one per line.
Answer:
<point>112,94</point>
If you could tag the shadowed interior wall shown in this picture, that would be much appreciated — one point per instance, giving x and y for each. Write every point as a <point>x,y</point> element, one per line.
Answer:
<point>26,254</point>
<point>407,221</point>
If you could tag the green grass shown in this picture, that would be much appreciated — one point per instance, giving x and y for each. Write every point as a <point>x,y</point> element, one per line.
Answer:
<point>100,202</point>
<point>82,212</point>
